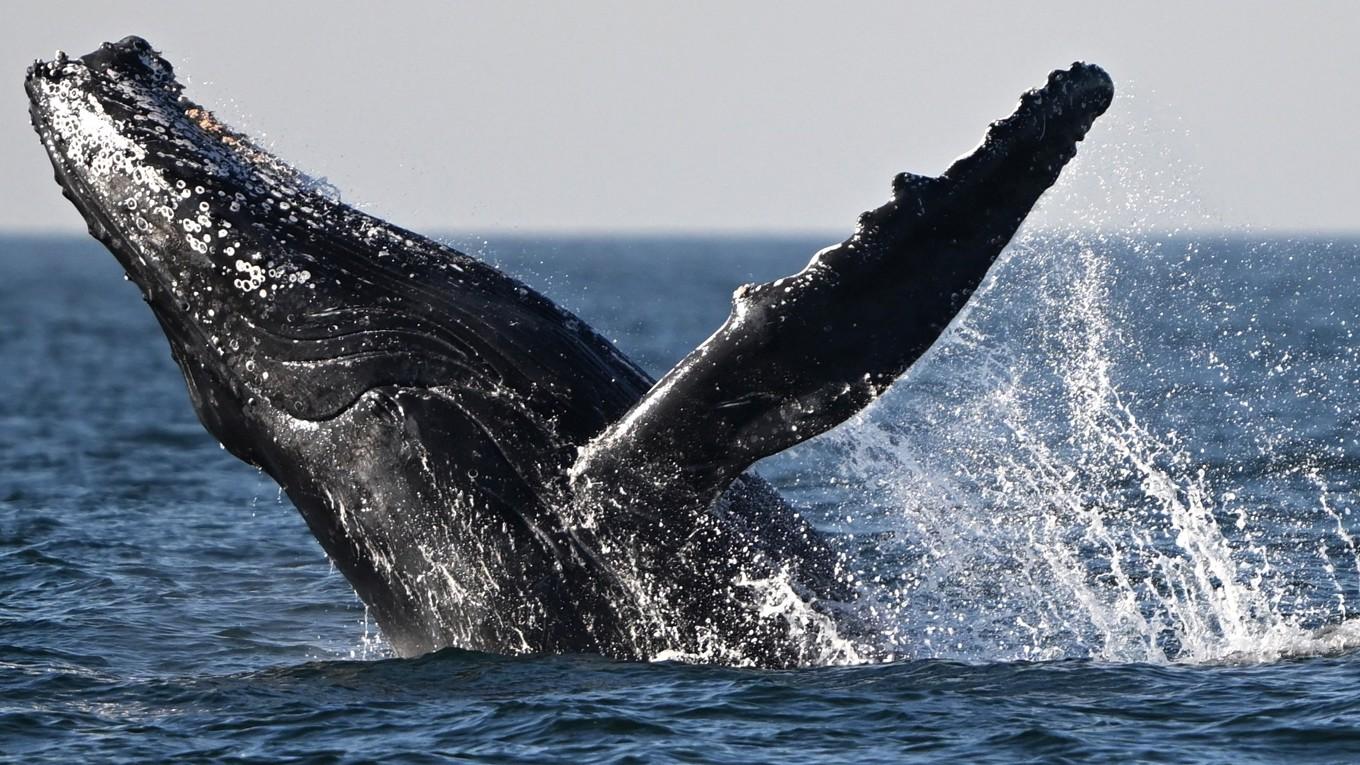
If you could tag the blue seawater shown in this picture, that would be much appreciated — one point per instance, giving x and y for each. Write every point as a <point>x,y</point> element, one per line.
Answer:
<point>1109,518</point>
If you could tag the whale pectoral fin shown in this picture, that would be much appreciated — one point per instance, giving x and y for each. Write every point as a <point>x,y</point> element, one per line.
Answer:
<point>801,354</point>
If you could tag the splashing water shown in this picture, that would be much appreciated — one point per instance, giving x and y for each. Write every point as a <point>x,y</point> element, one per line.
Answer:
<point>1112,454</point>
<point>1018,506</point>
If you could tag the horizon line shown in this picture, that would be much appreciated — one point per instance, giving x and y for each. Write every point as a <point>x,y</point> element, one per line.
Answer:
<point>791,233</point>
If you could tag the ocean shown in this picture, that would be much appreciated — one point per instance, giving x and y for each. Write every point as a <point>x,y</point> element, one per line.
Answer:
<point>1110,517</point>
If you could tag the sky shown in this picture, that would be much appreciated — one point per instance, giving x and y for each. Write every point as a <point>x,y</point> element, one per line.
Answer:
<point>595,116</point>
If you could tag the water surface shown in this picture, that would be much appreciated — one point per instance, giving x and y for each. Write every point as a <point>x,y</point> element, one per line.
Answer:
<point>1109,518</point>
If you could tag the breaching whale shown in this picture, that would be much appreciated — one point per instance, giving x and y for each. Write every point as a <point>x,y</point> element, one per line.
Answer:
<point>486,470</point>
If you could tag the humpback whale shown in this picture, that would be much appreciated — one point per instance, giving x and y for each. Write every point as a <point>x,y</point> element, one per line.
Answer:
<point>485,469</point>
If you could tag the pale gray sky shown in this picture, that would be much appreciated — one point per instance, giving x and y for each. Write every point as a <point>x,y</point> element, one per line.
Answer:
<point>754,116</point>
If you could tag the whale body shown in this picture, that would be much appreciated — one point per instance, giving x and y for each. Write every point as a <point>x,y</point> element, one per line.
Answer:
<point>485,469</point>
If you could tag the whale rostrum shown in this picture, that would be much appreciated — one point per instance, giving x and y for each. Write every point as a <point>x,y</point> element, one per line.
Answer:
<point>485,469</point>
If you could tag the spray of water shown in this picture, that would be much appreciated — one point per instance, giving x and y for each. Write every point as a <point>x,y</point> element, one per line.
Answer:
<point>1027,493</point>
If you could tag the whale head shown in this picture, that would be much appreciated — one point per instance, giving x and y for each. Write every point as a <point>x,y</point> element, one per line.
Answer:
<point>192,210</point>
<point>280,303</point>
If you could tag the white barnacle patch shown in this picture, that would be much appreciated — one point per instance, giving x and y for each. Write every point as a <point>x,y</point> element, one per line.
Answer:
<point>95,143</point>
<point>252,277</point>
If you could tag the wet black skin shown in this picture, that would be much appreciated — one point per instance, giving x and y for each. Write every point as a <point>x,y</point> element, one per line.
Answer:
<point>427,414</point>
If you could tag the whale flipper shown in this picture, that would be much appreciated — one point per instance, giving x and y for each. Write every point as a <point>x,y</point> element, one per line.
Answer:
<point>801,354</point>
